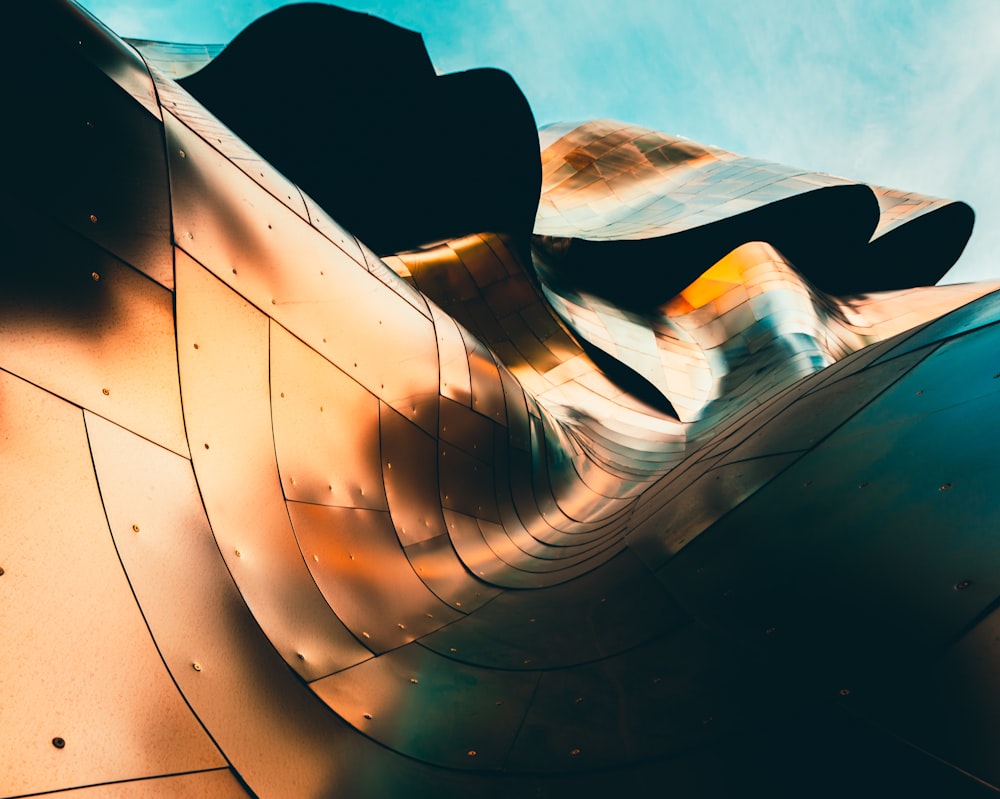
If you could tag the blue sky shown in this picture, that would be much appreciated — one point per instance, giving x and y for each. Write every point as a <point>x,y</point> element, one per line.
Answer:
<point>903,93</point>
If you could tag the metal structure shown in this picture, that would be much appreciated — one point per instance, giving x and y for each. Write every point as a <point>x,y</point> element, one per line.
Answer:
<point>652,501</point>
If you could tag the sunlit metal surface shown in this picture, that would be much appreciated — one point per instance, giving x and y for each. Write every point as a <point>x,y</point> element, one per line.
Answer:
<point>626,506</point>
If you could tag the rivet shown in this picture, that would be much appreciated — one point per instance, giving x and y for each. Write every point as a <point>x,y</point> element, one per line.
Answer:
<point>135,528</point>
<point>471,753</point>
<point>366,635</point>
<point>863,485</point>
<point>206,446</point>
<point>95,276</point>
<point>996,375</point>
<point>657,680</point>
<point>282,393</point>
<point>58,743</point>
<point>270,228</point>
<point>182,154</point>
<point>93,218</point>
<point>578,700</point>
<point>300,656</point>
<point>769,631</point>
<point>845,691</point>
<point>401,626</point>
<point>452,649</point>
<point>944,487</point>
<point>708,720</point>
<point>196,346</point>
<point>532,621</point>
<point>350,556</point>
<point>388,465</point>
<point>89,124</point>
<point>105,392</point>
<point>920,392</point>
<point>368,716</point>
<point>316,558</point>
<point>574,752</point>
<point>428,615</point>
<point>414,680</point>
<point>499,702</point>
<point>196,666</point>
<point>526,661</point>
<point>234,271</point>
<point>807,483</point>
<point>274,302</point>
<point>458,603</point>
<point>321,409</point>
<point>190,235</point>
<point>961,585</point>
<point>1,571</point>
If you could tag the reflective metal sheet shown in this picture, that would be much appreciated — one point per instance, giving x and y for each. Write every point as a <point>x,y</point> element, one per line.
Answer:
<point>464,428</point>
<point>326,429</point>
<point>199,785</point>
<point>487,390</point>
<point>466,483</point>
<point>410,472</point>
<point>297,276</point>
<point>86,698</point>
<point>181,104</point>
<point>432,708</point>
<point>437,564</point>
<point>453,360</point>
<point>358,564</point>
<point>89,328</point>
<point>91,156</point>
<point>558,627</point>
<point>224,368</point>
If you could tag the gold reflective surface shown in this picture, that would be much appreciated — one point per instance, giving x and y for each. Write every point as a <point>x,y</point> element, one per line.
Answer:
<point>497,515</point>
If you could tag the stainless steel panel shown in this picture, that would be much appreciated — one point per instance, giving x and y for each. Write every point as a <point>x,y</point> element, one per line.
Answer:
<point>91,157</point>
<point>466,483</point>
<point>224,368</point>
<point>358,564</point>
<point>453,359</point>
<point>88,328</point>
<point>466,429</point>
<point>182,105</point>
<point>437,564</point>
<point>410,472</point>
<point>713,494</point>
<point>326,429</point>
<point>86,698</point>
<point>434,709</point>
<point>487,390</point>
<point>586,619</point>
<point>199,785</point>
<point>293,273</point>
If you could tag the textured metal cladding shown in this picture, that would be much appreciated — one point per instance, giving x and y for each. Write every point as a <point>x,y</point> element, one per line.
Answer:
<point>220,783</point>
<point>93,330</point>
<point>278,262</point>
<point>87,124</point>
<point>436,562</point>
<point>86,698</point>
<point>326,429</point>
<point>431,707</point>
<point>410,472</point>
<point>223,345</point>
<point>897,504</point>
<point>627,506</point>
<point>359,565</point>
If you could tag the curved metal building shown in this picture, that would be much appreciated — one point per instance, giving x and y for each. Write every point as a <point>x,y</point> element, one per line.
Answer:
<point>347,448</point>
